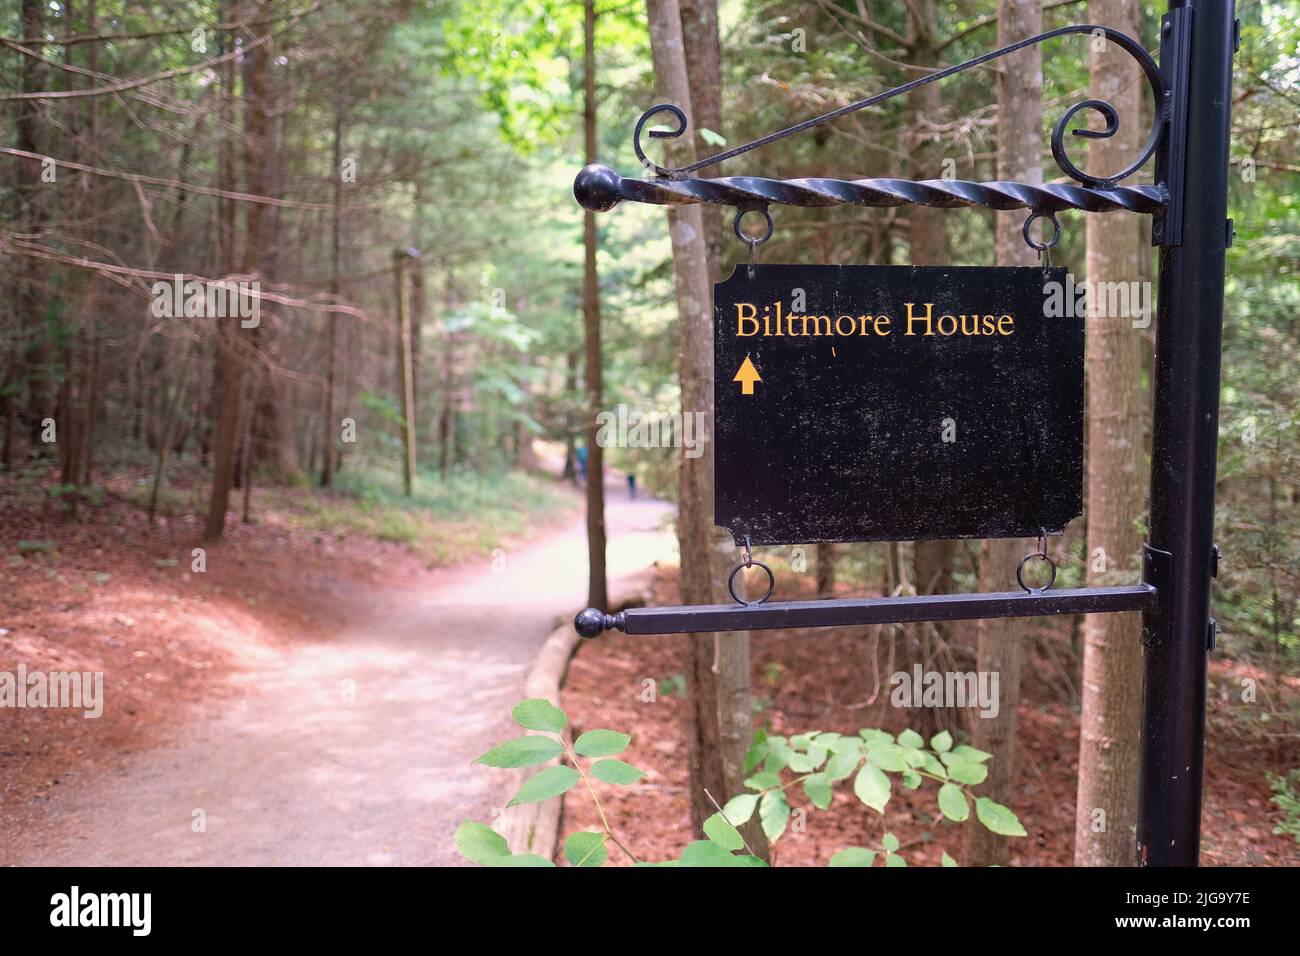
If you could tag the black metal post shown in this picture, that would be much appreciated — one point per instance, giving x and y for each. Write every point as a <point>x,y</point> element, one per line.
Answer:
<point>1177,633</point>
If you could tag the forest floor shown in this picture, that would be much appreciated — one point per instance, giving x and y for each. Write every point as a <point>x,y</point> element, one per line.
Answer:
<point>819,680</point>
<point>315,696</point>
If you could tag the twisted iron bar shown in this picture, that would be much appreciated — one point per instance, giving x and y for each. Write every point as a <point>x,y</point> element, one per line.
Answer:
<point>1150,69</point>
<point>600,188</point>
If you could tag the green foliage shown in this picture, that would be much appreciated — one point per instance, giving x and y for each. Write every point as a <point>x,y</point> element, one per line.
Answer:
<point>539,714</point>
<point>718,829</point>
<point>998,818</point>
<point>601,743</point>
<point>616,771</point>
<point>525,751</point>
<point>480,844</point>
<point>871,758</point>
<point>853,856</point>
<point>449,516</point>
<point>1286,797</point>
<point>586,849</point>
<point>550,782</point>
<point>816,760</point>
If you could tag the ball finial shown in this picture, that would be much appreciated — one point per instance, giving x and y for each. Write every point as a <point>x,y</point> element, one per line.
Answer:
<point>590,623</point>
<point>596,188</point>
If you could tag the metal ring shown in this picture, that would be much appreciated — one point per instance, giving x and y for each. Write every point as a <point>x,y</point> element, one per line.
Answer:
<point>1021,567</point>
<point>748,240</point>
<point>731,583</point>
<point>1056,235</point>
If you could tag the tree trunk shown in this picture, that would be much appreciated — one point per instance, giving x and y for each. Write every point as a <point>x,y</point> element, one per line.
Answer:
<point>928,244</point>
<point>1106,811</point>
<point>1001,642</point>
<point>825,570</point>
<point>703,51</point>
<point>447,414</point>
<point>236,350</point>
<point>597,592</point>
<point>721,718</point>
<point>81,344</point>
<point>570,472</point>
<point>330,432</point>
<point>405,392</point>
<point>29,300</point>
<point>415,341</point>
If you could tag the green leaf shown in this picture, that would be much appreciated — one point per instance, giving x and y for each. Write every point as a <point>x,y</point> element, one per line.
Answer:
<point>888,757</point>
<point>946,860</point>
<point>740,808</point>
<point>717,829</point>
<point>748,859</point>
<point>807,763</point>
<point>601,743</point>
<point>707,853</point>
<point>971,754</point>
<point>550,782</point>
<point>911,739</point>
<point>871,735</point>
<point>941,741</point>
<point>616,771</point>
<point>893,859</point>
<point>712,138</point>
<point>952,802</point>
<point>757,753</point>
<point>998,818</point>
<point>842,745</point>
<point>773,814</point>
<point>586,849</point>
<point>526,751</point>
<point>522,859</point>
<point>480,844</point>
<point>911,779</point>
<point>932,765</point>
<point>819,791</point>
<point>765,780</point>
<point>889,842</point>
<point>539,714</point>
<point>970,773</point>
<point>842,764</point>
<point>853,856</point>
<point>872,787</point>
<point>778,754</point>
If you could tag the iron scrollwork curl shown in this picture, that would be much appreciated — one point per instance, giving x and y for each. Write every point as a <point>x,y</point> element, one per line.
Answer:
<point>1150,69</point>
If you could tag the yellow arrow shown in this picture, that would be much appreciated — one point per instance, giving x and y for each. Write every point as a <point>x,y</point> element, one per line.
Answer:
<point>747,376</point>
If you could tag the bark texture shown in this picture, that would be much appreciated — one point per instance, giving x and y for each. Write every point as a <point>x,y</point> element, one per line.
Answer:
<point>1001,642</point>
<point>721,718</point>
<point>1106,812</point>
<point>597,586</point>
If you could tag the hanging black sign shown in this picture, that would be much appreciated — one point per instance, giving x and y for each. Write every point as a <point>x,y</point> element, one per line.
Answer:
<point>895,403</point>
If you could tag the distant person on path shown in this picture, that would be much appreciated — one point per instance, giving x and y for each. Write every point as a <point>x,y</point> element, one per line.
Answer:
<point>582,463</point>
<point>631,485</point>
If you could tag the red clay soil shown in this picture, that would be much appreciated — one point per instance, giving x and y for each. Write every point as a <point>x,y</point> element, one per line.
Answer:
<point>107,593</point>
<point>822,680</point>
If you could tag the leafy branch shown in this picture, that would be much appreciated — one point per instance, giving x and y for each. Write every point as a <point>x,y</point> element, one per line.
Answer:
<point>872,759</point>
<point>821,760</point>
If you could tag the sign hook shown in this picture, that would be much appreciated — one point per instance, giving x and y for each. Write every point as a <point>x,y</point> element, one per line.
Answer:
<point>749,562</point>
<point>1041,555</point>
<point>1044,247</point>
<point>752,241</point>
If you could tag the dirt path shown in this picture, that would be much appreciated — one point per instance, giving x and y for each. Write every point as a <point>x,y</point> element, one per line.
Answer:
<point>357,750</point>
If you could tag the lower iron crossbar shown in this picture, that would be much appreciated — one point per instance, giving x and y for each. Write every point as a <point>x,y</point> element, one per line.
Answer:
<point>704,618</point>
